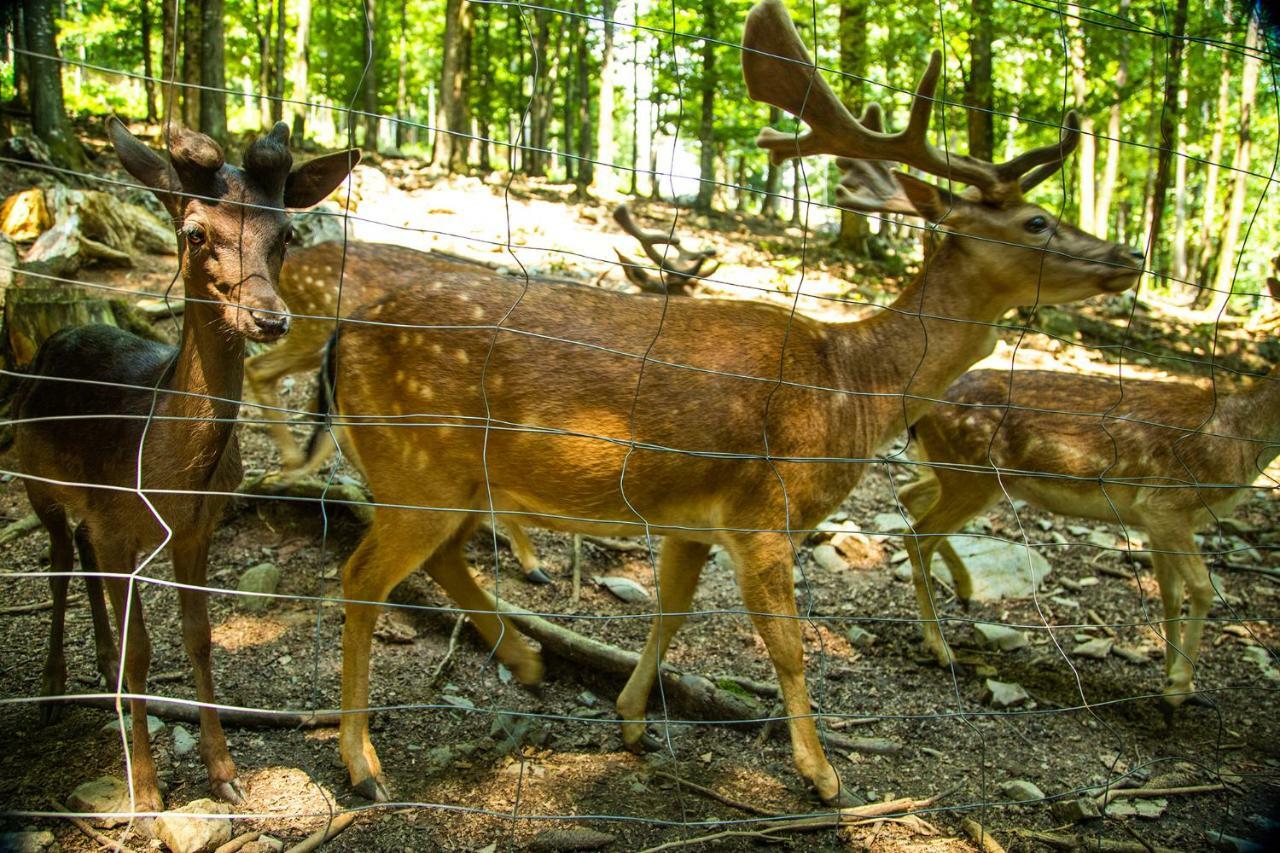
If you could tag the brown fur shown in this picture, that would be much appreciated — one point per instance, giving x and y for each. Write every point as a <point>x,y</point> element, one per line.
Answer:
<point>1166,458</point>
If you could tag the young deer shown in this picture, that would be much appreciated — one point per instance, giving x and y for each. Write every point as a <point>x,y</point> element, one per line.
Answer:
<point>677,275</point>
<point>105,417</point>
<point>1163,457</point>
<point>739,425</point>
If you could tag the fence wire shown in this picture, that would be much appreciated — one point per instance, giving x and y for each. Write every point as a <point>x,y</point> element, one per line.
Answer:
<point>682,824</point>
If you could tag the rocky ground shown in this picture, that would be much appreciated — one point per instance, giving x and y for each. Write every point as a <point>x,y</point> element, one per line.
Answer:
<point>1055,706</point>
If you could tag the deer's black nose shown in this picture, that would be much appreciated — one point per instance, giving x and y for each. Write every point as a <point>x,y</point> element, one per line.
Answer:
<point>274,325</point>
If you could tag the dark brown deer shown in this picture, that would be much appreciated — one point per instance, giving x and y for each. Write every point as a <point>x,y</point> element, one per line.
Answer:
<point>1166,458</point>
<point>677,274</point>
<point>135,440</point>
<point>704,421</point>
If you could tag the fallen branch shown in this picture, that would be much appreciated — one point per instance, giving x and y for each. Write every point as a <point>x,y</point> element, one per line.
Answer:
<point>624,545</point>
<point>36,607</point>
<point>1269,574</point>
<point>1061,841</point>
<point>311,489</point>
<point>325,834</point>
<point>981,836</point>
<point>766,689</point>
<point>19,528</point>
<point>716,795</point>
<point>179,712</point>
<point>1152,793</point>
<point>448,655</point>
<point>83,825</point>
<point>239,841</point>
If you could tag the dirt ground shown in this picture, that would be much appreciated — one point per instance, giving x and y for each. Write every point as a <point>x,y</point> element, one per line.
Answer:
<point>476,762</point>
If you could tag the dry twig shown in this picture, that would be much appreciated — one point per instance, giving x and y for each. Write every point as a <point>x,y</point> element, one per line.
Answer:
<point>981,836</point>
<point>1152,793</point>
<point>179,712</point>
<point>325,834</point>
<point>83,825</point>
<point>448,655</point>
<point>19,528</point>
<point>36,607</point>
<point>239,841</point>
<point>715,795</point>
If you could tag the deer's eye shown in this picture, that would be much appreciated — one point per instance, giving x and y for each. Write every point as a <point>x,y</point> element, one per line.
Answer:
<point>1037,224</point>
<point>195,235</point>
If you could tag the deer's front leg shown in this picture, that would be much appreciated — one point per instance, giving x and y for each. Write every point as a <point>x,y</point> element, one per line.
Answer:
<point>190,563</point>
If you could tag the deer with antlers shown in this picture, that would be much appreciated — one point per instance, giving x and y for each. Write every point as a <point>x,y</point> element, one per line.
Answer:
<point>136,440</point>
<point>676,275</point>
<point>705,421</point>
<point>1166,458</point>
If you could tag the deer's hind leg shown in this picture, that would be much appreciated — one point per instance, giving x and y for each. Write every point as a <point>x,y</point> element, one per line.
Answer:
<point>262,375</point>
<point>53,682</point>
<point>108,657</point>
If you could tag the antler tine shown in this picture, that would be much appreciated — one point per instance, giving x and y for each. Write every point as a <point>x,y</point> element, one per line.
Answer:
<point>1049,158</point>
<point>649,240</point>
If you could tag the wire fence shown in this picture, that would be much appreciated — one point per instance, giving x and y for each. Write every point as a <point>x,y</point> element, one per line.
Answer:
<point>1174,457</point>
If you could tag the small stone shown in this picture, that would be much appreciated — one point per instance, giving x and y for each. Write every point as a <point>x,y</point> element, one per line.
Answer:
<point>1000,637</point>
<point>723,560</point>
<point>899,557</point>
<point>106,794</point>
<point>889,522</point>
<point>1076,811</point>
<point>1262,659</point>
<point>586,697</point>
<point>458,702</point>
<point>154,725</point>
<point>1045,524</point>
<point>1102,538</point>
<point>26,842</point>
<point>1098,648</point>
<point>623,588</point>
<point>1021,791</point>
<point>1005,694</point>
<point>860,637</point>
<point>903,571</point>
<point>183,834</point>
<point>262,579</point>
<point>1144,808</point>
<point>183,742</point>
<point>829,558</point>
<point>852,544</point>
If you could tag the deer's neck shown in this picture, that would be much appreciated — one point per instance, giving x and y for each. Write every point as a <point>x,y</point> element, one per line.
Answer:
<point>932,333</point>
<point>207,378</point>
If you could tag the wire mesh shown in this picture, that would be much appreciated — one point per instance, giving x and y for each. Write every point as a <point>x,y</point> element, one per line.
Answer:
<point>896,466</point>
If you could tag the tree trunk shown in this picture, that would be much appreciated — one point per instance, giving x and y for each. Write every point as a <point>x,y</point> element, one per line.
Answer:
<point>1080,92</point>
<point>277,68</point>
<point>213,100</point>
<point>301,69</point>
<point>855,229</point>
<point>168,59</point>
<point>1206,265</point>
<point>21,61</point>
<point>707,120</point>
<point>191,63</point>
<point>262,31</point>
<point>584,171</point>
<point>635,110</point>
<point>449,148</point>
<point>606,178</point>
<point>371,76</point>
<point>1178,267</point>
<point>979,94</point>
<point>402,61</point>
<point>1102,210</point>
<point>772,176</point>
<point>148,83</point>
<point>48,114</point>
<point>1169,116</point>
<point>797,182</point>
<point>1225,280</point>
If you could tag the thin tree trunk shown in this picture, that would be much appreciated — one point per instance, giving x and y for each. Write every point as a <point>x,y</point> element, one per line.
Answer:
<point>262,31</point>
<point>1179,260</point>
<point>1102,210</point>
<point>1080,92</point>
<point>168,54</point>
<point>655,113</point>
<point>797,182</point>
<point>402,61</point>
<point>635,107</point>
<point>148,82</point>
<point>191,63</point>
<point>48,114</point>
<point>301,69</point>
<point>371,76</point>
<point>1206,266</point>
<point>1169,116</point>
<point>1225,280</point>
<point>605,180</point>
<point>277,76</point>
<point>855,229</point>
<point>448,149</point>
<point>772,177</point>
<point>583,173</point>
<point>979,93</point>
<point>707,119</point>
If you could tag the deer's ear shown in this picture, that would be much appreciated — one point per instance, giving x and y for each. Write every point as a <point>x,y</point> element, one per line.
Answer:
<point>929,201</point>
<point>309,183</point>
<point>145,165</point>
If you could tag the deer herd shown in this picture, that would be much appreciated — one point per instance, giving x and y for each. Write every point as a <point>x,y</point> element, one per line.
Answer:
<point>707,422</point>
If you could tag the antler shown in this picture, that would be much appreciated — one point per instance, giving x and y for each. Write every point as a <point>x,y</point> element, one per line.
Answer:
<point>778,71</point>
<point>685,267</point>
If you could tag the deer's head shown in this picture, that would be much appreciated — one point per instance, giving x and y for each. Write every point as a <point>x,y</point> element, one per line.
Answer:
<point>1021,252</point>
<point>231,221</point>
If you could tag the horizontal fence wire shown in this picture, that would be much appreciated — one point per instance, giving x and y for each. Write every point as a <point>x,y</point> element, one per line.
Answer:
<point>953,706</point>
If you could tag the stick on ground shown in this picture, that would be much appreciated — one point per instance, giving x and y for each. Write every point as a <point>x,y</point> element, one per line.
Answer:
<point>83,825</point>
<point>325,834</point>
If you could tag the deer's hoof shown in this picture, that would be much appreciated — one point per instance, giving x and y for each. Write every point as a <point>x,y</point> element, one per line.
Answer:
<point>229,792</point>
<point>645,744</point>
<point>844,798</point>
<point>373,789</point>
<point>539,577</point>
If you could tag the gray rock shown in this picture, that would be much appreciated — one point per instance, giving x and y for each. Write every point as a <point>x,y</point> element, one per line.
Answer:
<point>183,742</point>
<point>154,725</point>
<point>1098,648</point>
<point>184,834</point>
<point>1005,694</point>
<point>1262,659</point>
<point>1149,809</point>
<point>829,558</point>
<point>1000,637</point>
<point>26,842</point>
<point>723,560</point>
<point>889,522</point>
<point>263,579</point>
<point>860,637</point>
<point>1021,791</point>
<point>1103,538</point>
<point>320,224</point>
<point>458,702</point>
<point>999,569</point>
<point>623,588</point>
<point>106,794</point>
<point>1076,811</point>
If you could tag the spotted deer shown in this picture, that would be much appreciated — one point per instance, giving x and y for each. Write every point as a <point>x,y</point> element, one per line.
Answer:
<point>703,421</point>
<point>135,440</point>
<point>1165,458</point>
